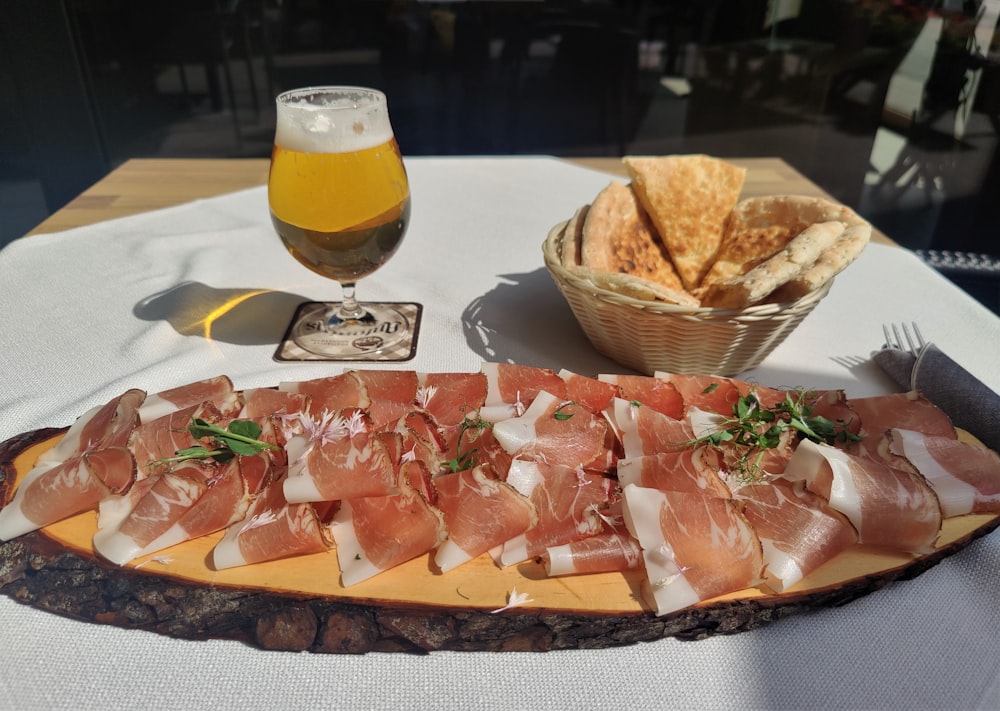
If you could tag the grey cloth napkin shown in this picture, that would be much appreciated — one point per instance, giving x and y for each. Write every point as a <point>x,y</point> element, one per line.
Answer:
<point>969,403</point>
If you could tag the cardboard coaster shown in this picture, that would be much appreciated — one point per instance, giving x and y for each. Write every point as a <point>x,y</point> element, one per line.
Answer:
<point>392,337</point>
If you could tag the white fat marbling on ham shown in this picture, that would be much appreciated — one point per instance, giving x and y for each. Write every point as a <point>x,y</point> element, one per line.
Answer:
<point>480,512</point>
<point>965,477</point>
<point>512,384</point>
<point>52,491</point>
<point>218,390</point>
<point>377,533</point>
<point>798,530</point>
<point>643,430</point>
<point>567,501</point>
<point>353,462</point>
<point>603,553</point>
<point>169,496</point>
<point>694,547</point>
<point>108,425</point>
<point>274,529</point>
<point>697,470</point>
<point>887,506</point>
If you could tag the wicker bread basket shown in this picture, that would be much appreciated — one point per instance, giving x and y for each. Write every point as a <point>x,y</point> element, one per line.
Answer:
<point>650,336</point>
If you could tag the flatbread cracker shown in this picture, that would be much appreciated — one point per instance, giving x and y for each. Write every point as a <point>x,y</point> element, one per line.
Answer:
<point>688,198</point>
<point>760,227</point>
<point>834,260</point>
<point>618,237</point>
<point>569,252</point>
<point>797,256</point>
<point>638,288</point>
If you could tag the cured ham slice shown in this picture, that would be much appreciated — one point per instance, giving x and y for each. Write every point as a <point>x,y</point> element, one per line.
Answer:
<point>593,393</point>
<point>275,529</point>
<point>643,430</point>
<point>512,388</point>
<point>330,394</point>
<point>377,533</point>
<point>160,439</point>
<point>264,402</point>
<point>556,431</point>
<point>798,530</point>
<point>706,392</point>
<point>53,492</point>
<point>480,512</point>
<point>694,547</point>
<point>655,393</point>
<point>353,463</point>
<point>603,553</point>
<point>171,494</point>
<point>390,393</point>
<point>908,411</point>
<point>887,506</point>
<point>108,425</point>
<point>566,500</point>
<point>218,390</point>
<point>451,397</point>
<point>965,477</point>
<point>698,470</point>
<point>224,502</point>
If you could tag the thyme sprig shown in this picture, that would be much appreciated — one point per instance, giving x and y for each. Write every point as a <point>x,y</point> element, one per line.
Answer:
<point>241,438</point>
<point>754,429</point>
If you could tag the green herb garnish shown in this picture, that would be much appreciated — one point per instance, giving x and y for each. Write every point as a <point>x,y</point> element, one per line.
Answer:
<point>466,460</point>
<point>240,438</point>
<point>560,415</point>
<point>752,430</point>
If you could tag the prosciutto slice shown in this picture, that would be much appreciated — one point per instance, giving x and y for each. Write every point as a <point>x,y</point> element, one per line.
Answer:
<point>556,431</point>
<point>377,533</point>
<point>909,411</point>
<point>218,390</point>
<point>275,529</point>
<point>567,502</point>
<point>108,425</point>
<point>55,491</point>
<point>965,477</point>
<point>512,388</point>
<point>160,439</point>
<point>694,547</point>
<point>480,512</point>
<point>331,394</point>
<point>170,495</point>
<point>592,393</point>
<point>451,397</point>
<point>697,470</point>
<point>706,392</point>
<point>354,462</point>
<point>655,393</point>
<point>265,402</point>
<point>887,506</point>
<point>603,553</point>
<point>643,430</point>
<point>798,530</point>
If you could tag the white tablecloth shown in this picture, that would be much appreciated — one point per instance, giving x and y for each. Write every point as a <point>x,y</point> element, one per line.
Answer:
<point>93,311</point>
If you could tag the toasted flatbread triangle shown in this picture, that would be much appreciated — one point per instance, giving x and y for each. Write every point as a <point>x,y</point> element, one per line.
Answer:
<point>619,238</point>
<point>688,198</point>
<point>760,227</point>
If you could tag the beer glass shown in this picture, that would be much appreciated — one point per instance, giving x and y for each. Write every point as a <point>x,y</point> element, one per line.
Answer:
<point>339,199</point>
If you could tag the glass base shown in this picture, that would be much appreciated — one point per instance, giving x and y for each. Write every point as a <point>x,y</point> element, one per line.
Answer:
<point>388,332</point>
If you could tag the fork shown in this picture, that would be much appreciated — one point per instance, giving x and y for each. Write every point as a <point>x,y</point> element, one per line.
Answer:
<point>899,337</point>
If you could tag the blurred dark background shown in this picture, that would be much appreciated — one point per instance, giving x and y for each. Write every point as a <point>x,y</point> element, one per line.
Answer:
<point>892,106</point>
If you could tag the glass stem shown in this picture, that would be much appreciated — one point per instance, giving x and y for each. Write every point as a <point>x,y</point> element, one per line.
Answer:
<point>350,310</point>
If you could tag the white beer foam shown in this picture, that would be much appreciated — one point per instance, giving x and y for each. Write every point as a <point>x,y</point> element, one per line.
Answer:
<point>333,128</point>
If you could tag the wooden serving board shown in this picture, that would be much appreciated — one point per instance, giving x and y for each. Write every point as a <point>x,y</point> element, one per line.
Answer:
<point>299,604</point>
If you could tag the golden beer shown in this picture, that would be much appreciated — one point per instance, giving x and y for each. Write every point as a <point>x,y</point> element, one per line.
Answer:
<point>337,190</point>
